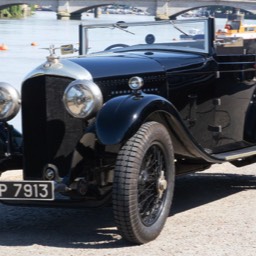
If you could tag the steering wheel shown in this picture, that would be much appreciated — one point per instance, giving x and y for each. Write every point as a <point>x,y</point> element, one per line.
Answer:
<point>116,46</point>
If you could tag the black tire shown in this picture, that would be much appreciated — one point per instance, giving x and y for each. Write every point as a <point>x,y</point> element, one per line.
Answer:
<point>143,183</point>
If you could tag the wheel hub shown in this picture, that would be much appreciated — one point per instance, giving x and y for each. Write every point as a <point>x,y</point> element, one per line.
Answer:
<point>161,184</point>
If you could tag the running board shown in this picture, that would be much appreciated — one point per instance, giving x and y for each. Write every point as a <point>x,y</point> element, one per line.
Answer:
<point>236,154</point>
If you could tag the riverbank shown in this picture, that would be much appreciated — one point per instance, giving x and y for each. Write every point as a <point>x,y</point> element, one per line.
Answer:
<point>16,12</point>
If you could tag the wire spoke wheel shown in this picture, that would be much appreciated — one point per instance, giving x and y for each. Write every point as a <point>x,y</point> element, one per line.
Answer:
<point>144,183</point>
<point>150,195</point>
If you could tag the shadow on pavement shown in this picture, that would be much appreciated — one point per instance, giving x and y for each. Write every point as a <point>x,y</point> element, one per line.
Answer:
<point>95,228</point>
<point>201,188</point>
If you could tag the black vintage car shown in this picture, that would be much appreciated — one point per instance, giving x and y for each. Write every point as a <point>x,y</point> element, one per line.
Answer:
<point>116,124</point>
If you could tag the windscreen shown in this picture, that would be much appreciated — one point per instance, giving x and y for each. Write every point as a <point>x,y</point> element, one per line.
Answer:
<point>191,35</point>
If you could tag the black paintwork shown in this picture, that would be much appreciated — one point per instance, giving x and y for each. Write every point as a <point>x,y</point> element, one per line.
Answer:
<point>192,86</point>
<point>10,148</point>
<point>194,95</point>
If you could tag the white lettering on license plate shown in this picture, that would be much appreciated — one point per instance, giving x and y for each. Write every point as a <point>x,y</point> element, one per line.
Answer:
<point>27,190</point>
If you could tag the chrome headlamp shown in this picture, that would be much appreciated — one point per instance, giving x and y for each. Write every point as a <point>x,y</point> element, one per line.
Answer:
<point>9,102</point>
<point>136,83</point>
<point>82,98</point>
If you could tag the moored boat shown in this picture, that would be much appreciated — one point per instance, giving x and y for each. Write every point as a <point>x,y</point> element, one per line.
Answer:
<point>235,27</point>
<point>239,34</point>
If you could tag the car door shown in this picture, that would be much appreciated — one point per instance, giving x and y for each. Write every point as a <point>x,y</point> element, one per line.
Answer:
<point>192,92</point>
<point>234,122</point>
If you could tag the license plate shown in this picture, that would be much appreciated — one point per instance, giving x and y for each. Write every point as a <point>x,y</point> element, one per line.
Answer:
<point>27,190</point>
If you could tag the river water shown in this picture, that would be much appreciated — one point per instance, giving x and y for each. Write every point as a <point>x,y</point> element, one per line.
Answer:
<point>44,29</point>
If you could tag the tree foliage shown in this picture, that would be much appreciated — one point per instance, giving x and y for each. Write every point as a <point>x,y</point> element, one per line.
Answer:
<point>14,11</point>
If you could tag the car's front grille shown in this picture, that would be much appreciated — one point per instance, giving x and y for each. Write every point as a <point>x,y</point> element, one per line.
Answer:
<point>50,133</point>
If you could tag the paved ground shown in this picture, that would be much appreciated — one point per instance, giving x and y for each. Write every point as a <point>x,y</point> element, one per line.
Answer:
<point>214,213</point>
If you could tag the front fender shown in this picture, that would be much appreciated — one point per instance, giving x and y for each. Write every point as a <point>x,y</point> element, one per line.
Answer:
<point>122,116</point>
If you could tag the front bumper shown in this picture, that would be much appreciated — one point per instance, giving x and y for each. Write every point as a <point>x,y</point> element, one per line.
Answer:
<point>58,195</point>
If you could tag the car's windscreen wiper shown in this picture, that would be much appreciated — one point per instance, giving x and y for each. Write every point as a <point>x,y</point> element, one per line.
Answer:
<point>184,33</point>
<point>120,26</point>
